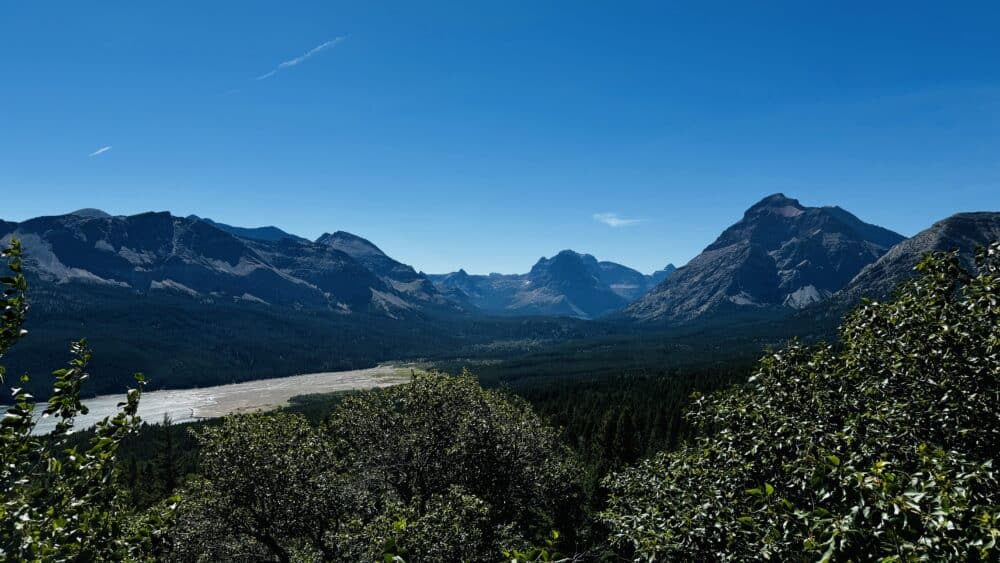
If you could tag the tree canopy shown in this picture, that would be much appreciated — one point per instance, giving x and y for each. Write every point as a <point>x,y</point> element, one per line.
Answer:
<point>439,469</point>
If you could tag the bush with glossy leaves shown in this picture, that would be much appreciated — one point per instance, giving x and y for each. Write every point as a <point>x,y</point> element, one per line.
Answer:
<point>58,503</point>
<point>881,448</point>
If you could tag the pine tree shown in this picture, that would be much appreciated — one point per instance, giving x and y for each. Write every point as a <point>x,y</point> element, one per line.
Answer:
<point>166,469</point>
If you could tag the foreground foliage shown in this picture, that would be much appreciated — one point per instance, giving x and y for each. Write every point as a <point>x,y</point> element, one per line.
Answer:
<point>436,470</point>
<point>882,449</point>
<point>58,503</point>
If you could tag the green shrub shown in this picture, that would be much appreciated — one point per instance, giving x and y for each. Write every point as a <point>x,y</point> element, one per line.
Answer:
<point>880,449</point>
<point>58,503</point>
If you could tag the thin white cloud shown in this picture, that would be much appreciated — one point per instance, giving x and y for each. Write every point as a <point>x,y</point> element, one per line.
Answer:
<point>101,150</point>
<point>613,220</point>
<point>301,58</point>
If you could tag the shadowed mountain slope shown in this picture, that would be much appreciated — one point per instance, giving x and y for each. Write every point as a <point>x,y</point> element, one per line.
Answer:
<point>780,255</point>
<point>963,232</point>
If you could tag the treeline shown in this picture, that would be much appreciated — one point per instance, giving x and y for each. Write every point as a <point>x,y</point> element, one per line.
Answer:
<point>617,420</point>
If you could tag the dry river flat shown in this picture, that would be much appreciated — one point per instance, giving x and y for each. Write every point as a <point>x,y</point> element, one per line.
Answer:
<point>186,405</point>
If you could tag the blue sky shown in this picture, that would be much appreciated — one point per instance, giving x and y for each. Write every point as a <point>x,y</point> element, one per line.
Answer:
<point>487,134</point>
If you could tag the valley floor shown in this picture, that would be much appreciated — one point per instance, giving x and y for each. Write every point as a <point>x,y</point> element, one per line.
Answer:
<point>187,405</point>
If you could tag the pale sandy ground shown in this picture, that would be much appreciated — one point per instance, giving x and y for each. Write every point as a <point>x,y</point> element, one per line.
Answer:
<point>185,405</point>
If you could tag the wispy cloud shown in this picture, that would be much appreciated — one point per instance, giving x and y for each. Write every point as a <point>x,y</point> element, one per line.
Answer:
<point>301,58</point>
<point>101,150</point>
<point>613,220</point>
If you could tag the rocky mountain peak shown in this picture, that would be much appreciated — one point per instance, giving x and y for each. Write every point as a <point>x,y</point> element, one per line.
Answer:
<point>565,266</point>
<point>781,254</point>
<point>350,244</point>
<point>567,284</point>
<point>777,204</point>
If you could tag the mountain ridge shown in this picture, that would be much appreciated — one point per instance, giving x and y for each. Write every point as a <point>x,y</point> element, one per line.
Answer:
<point>962,232</point>
<point>157,251</point>
<point>567,284</point>
<point>266,233</point>
<point>781,254</point>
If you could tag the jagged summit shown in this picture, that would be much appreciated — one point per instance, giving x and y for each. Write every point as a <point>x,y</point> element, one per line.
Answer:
<point>660,275</point>
<point>781,254</point>
<point>400,277</point>
<point>777,203</point>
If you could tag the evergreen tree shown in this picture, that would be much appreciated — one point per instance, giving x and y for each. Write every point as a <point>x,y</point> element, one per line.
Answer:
<point>166,464</point>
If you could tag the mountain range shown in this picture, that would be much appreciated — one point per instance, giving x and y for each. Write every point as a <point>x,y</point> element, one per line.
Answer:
<point>193,301</point>
<point>779,257</point>
<point>206,261</point>
<point>568,284</point>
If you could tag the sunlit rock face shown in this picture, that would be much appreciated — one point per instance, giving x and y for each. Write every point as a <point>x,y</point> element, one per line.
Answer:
<point>780,255</point>
<point>197,258</point>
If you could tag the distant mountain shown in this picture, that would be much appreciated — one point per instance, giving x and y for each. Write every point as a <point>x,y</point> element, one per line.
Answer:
<point>207,261</point>
<point>781,255</point>
<point>568,284</point>
<point>401,278</point>
<point>625,282</point>
<point>253,233</point>
<point>660,275</point>
<point>962,232</point>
